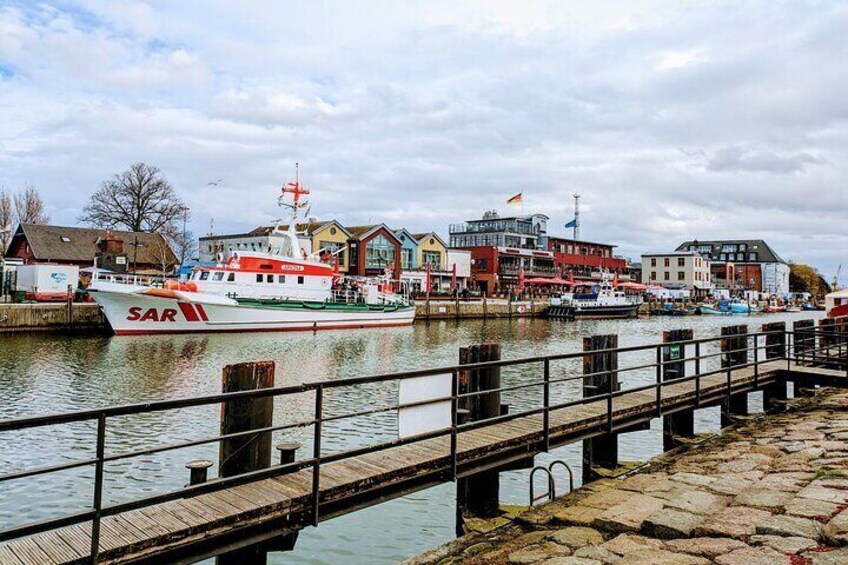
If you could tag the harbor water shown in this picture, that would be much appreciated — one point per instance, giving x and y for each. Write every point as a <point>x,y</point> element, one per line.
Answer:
<point>46,374</point>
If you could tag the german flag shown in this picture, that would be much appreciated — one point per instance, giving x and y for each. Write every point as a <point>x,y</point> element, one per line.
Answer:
<point>515,199</point>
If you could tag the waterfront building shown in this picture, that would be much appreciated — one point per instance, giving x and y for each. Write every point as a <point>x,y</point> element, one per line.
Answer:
<point>408,250</point>
<point>117,251</point>
<point>521,232</point>
<point>373,249</point>
<point>586,259</point>
<point>677,270</point>
<point>743,265</point>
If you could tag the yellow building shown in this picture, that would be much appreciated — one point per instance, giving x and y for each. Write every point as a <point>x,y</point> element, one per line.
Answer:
<point>330,237</point>
<point>432,249</point>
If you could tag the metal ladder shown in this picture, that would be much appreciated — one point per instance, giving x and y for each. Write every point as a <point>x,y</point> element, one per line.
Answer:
<point>550,494</point>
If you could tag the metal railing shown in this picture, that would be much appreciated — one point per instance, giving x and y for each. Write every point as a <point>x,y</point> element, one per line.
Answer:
<point>806,346</point>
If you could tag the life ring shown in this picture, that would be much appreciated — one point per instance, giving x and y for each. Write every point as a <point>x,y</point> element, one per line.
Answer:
<point>521,309</point>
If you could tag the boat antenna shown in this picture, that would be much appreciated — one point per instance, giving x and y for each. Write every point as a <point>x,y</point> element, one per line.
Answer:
<point>296,189</point>
<point>576,217</point>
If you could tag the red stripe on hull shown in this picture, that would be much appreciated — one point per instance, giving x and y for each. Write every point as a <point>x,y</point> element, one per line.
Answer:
<point>188,311</point>
<point>202,312</point>
<point>297,329</point>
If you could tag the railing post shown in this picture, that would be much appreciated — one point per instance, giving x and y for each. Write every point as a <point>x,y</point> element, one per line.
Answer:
<point>546,415</point>
<point>316,454</point>
<point>454,416</point>
<point>98,488</point>
<point>805,342</point>
<point>697,374</point>
<point>602,379</point>
<point>735,349</point>
<point>680,424</point>
<point>659,372</point>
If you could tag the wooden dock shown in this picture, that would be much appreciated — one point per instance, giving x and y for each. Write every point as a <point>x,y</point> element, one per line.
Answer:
<point>196,526</point>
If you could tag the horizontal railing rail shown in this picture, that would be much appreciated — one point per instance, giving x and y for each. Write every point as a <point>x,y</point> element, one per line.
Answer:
<point>806,345</point>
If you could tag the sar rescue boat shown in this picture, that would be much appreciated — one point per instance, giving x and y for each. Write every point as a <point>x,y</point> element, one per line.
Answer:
<point>283,289</point>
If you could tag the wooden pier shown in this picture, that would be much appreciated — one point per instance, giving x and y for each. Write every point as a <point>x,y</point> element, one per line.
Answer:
<point>269,505</point>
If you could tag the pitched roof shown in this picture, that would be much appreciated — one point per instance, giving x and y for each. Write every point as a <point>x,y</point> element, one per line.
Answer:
<point>307,227</point>
<point>765,254</point>
<point>62,243</point>
<point>419,236</point>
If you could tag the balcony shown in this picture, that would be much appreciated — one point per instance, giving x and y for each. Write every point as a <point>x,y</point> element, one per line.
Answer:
<point>496,226</point>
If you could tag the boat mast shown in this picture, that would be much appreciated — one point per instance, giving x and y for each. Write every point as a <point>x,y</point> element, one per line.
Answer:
<point>576,217</point>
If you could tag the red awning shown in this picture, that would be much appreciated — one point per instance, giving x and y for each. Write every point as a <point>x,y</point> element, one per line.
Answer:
<point>552,281</point>
<point>632,286</point>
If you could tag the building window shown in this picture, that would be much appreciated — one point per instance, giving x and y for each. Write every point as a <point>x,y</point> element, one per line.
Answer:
<point>406,259</point>
<point>299,280</point>
<point>681,276</point>
<point>333,247</point>
<point>681,262</point>
<point>281,279</point>
<point>333,231</point>
<point>667,275</point>
<point>653,261</point>
<point>259,277</point>
<point>752,256</point>
<point>379,252</point>
<point>432,257</point>
<point>653,275</point>
<point>666,262</point>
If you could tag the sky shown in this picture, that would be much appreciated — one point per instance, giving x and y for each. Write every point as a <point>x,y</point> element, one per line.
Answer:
<point>673,120</point>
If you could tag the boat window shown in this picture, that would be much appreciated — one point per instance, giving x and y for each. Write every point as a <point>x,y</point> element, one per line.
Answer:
<point>259,277</point>
<point>269,278</point>
<point>282,279</point>
<point>231,277</point>
<point>219,275</point>
<point>204,275</point>
<point>299,280</point>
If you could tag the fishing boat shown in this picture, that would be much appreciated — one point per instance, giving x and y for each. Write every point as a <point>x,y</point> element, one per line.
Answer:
<point>836,304</point>
<point>283,289</point>
<point>713,311</point>
<point>601,300</point>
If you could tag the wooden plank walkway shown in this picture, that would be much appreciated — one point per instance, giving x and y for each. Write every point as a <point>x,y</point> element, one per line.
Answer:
<point>159,531</point>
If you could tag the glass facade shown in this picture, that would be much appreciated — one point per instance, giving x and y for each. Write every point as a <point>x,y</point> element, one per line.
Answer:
<point>379,252</point>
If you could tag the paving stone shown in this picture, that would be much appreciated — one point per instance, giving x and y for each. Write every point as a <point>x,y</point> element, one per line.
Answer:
<point>811,508</point>
<point>696,501</point>
<point>578,515</point>
<point>598,554</point>
<point>834,557</point>
<point>785,482</point>
<point>527,556</point>
<point>754,556</point>
<point>836,529</point>
<point>693,479</point>
<point>533,537</point>
<point>783,525</point>
<point>819,492</point>
<point>555,549</point>
<point>766,499</point>
<point>784,544</point>
<point>628,543</point>
<point>660,557</point>
<point>575,537</point>
<point>737,522</point>
<point>737,466</point>
<point>767,450</point>
<point>705,547</point>
<point>650,483</point>
<point>570,561</point>
<point>607,498</point>
<point>628,516</point>
<point>670,523</point>
<point>731,484</point>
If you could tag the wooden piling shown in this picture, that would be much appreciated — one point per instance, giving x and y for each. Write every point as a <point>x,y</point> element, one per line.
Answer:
<point>478,495</point>
<point>601,378</point>
<point>680,424</point>
<point>774,394</point>
<point>734,353</point>
<point>804,349</point>
<point>249,452</point>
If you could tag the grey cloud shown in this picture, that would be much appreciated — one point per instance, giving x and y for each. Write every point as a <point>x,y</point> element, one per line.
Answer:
<point>731,159</point>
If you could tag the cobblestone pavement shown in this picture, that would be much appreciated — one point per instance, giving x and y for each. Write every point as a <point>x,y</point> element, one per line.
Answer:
<point>772,492</point>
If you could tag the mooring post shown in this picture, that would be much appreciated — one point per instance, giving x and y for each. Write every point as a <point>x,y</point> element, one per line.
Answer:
<point>805,345</point>
<point>734,353</point>
<point>600,377</point>
<point>828,339</point>
<point>251,452</point>
<point>774,394</point>
<point>681,424</point>
<point>478,495</point>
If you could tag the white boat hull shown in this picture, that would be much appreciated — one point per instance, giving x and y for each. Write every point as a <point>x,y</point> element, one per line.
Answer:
<point>132,313</point>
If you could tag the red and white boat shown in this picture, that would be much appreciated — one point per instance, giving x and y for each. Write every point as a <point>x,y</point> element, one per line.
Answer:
<point>836,304</point>
<point>285,289</point>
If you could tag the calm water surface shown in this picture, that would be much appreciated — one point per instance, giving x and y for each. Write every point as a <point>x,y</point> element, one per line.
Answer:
<point>50,374</point>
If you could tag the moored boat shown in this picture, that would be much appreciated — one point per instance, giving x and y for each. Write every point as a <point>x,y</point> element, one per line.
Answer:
<point>284,289</point>
<point>836,304</point>
<point>601,301</point>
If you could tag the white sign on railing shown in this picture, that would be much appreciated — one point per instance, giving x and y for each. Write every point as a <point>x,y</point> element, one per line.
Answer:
<point>430,417</point>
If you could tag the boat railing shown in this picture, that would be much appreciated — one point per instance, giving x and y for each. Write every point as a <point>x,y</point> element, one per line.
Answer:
<point>131,279</point>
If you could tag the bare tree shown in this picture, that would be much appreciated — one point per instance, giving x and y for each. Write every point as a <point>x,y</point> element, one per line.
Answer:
<point>138,199</point>
<point>7,220</point>
<point>164,255</point>
<point>29,207</point>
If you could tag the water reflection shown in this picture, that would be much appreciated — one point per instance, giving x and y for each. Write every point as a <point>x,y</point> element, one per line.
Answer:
<point>41,374</point>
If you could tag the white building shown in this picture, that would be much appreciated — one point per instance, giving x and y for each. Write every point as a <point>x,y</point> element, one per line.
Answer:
<point>677,270</point>
<point>441,279</point>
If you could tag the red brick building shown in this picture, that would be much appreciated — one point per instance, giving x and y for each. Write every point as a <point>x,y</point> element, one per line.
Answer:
<point>372,249</point>
<point>495,269</point>
<point>585,258</point>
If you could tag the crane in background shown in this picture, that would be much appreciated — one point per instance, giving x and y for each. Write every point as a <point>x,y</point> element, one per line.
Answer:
<point>835,286</point>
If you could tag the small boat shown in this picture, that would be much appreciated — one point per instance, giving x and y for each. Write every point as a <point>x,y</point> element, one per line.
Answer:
<point>794,308</point>
<point>601,301</point>
<point>836,304</point>
<point>709,310</point>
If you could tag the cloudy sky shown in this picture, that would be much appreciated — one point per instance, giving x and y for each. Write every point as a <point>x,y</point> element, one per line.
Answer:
<point>674,120</point>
